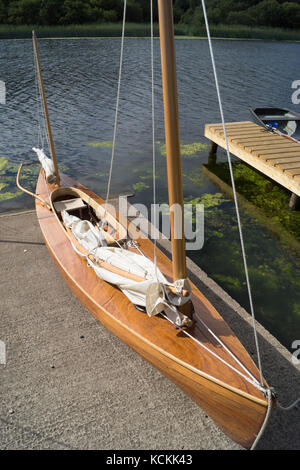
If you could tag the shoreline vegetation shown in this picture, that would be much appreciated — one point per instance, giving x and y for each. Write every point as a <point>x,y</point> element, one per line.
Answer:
<point>143,30</point>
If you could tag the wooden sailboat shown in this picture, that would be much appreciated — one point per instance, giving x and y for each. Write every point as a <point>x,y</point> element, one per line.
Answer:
<point>204,358</point>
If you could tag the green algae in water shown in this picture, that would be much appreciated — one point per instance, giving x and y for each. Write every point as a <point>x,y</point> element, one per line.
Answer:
<point>29,175</point>
<point>8,172</point>
<point>140,186</point>
<point>268,196</point>
<point>198,179</point>
<point>148,175</point>
<point>4,165</point>
<point>232,283</point>
<point>209,200</point>
<point>61,167</point>
<point>274,272</point>
<point>144,174</point>
<point>186,150</point>
<point>191,150</point>
<point>3,186</point>
<point>8,195</point>
<point>103,144</point>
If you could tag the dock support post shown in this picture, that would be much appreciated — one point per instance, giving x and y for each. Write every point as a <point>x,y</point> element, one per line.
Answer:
<point>294,203</point>
<point>212,156</point>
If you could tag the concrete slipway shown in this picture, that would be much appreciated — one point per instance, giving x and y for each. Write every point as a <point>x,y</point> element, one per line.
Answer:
<point>68,383</point>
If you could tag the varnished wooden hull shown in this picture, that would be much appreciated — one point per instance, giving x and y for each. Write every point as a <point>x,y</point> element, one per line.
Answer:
<point>236,406</point>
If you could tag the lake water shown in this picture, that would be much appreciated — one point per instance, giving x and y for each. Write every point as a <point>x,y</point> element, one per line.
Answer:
<point>81,84</point>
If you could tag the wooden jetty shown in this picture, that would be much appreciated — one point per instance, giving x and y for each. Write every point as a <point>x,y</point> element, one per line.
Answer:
<point>275,156</point>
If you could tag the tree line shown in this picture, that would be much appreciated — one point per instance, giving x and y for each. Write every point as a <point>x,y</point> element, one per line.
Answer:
<point>280,13</point>
<point>275,13</point>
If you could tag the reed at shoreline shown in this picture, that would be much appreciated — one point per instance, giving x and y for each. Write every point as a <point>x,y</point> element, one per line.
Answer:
<point>143,30</point>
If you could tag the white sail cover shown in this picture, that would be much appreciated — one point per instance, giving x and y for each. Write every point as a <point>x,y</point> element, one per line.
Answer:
<point>46,163</point>
<point>151,293</point>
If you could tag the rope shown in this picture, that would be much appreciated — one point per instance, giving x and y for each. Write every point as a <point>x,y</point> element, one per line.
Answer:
<point>234,193</point>
<point>266,420</point>
<point>268,414</point>
<point>276,131</point>
<point>290,407</point>
<point>117,107</point>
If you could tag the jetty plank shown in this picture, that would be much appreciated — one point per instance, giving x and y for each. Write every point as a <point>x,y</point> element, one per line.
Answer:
<point>275,156</point>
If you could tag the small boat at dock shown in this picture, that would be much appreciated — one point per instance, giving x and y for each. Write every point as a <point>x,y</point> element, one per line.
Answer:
<point>282,121</point>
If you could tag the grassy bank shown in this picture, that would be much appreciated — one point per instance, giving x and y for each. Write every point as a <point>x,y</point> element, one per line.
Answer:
<point>82,30</point>
<point>247,32</point>
<point>141,30</point>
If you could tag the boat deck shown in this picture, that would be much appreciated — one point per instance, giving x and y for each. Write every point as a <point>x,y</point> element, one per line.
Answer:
<point>273,155</point>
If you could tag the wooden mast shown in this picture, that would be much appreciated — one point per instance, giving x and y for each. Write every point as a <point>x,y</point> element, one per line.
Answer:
<point>168,61</point>
<point>45,107</point>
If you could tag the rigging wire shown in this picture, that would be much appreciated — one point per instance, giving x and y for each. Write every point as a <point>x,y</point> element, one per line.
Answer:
<point>117,109</point>
<point>253,381</point>
<point>153,136</point>
<point>225,347</point>
<point>234,193</point>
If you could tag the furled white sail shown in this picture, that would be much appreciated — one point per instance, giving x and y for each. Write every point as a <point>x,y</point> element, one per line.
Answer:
<point>46,163</point>
<point>153,293</point>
